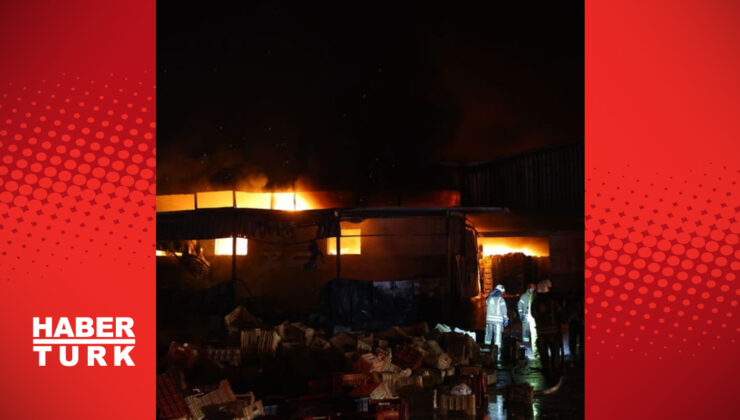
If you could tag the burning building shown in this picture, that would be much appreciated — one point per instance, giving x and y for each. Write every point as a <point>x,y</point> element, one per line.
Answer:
<point>286,249</point>
<point>425,250</point>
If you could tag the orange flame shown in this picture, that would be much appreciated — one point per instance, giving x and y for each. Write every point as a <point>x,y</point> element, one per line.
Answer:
<point>290,201</point>
<point>350,241</point>
<point>532,246</point>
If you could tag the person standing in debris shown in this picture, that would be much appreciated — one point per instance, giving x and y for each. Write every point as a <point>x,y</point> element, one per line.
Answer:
<point>496,317</point>
<point>549,337</point>
<point>525,314</point>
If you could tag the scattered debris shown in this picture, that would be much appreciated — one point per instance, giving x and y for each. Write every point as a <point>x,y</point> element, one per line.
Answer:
<point>443,328</point>
<point>240,319</point>
<point>183,355</point>
<point>230,356</point>
<point>259,342</point>
<point>461,389</point>
<point>196,403</point>
<point>464,403</point>
<point>169,401</point>
<point>295,332</point>
<point>374,391</point>
<point>408,356</point>
<point>305,373</point>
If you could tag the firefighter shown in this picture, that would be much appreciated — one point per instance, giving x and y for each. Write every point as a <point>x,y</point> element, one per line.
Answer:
<point>525,314</point>
<point>549,337</point>
<point>496,317</point>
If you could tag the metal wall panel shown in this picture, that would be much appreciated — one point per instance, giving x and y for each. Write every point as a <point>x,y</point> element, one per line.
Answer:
<point>550,179</point>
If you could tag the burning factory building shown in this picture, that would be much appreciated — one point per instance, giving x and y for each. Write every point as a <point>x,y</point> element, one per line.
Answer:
<point>425,251</point>
<point>295,263</point>
<point>286,251</point>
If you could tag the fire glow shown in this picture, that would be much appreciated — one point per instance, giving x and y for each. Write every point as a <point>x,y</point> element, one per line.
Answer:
<point>531,246</point>
<point>287,201</point>
<point>224,246</point>
<point>163,253</point>
<point>350,242</point>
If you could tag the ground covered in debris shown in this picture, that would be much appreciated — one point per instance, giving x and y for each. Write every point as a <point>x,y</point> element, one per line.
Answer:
<point>566,402</point>
<point>240,367</point>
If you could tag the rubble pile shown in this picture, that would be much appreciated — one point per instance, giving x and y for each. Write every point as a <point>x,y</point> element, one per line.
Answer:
<point>302,372</point>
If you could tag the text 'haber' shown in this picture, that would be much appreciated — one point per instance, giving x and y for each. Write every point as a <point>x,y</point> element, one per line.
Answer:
<point>107,341</point>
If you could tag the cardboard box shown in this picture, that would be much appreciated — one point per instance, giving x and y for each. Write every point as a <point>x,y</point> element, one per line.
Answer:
<point>222,394</point>
<point>464,403</point>
<point>259,342</point>
<point>408,356</point>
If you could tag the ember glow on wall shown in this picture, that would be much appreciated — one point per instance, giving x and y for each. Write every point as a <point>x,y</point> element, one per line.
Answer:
<point>350,242</point>
<point>531,246</point>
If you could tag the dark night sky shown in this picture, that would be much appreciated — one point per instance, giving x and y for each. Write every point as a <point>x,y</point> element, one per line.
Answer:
<point>360,95</point>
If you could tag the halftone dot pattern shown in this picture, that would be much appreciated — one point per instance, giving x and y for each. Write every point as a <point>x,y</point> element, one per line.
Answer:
<point>662,259</point>
<point>77,173</point>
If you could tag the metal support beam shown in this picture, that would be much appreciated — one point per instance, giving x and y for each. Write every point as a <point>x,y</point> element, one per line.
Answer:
<point>233,243</point>
<point>233,258</point>
<point>339,254</point>
<point>449,302</point>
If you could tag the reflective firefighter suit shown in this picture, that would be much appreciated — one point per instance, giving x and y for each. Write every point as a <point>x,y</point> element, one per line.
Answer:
<point>496,318</point>
<point>549,338</point>
<point>523,308</point>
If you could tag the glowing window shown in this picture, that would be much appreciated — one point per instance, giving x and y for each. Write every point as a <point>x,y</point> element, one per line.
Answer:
<point>301,202</point>
<point>289,201</point>
<point>223,246</point>
<point>175,202</point>
<point>251,200</point>
<point>532,246</point>
<point>283,201</point>
<point>163,253</point>
<point>215,199</point>
<point>351,243</point>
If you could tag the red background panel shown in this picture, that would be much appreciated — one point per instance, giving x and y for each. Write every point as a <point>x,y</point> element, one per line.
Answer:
<point>77,188</point>
<point>662,203</point>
